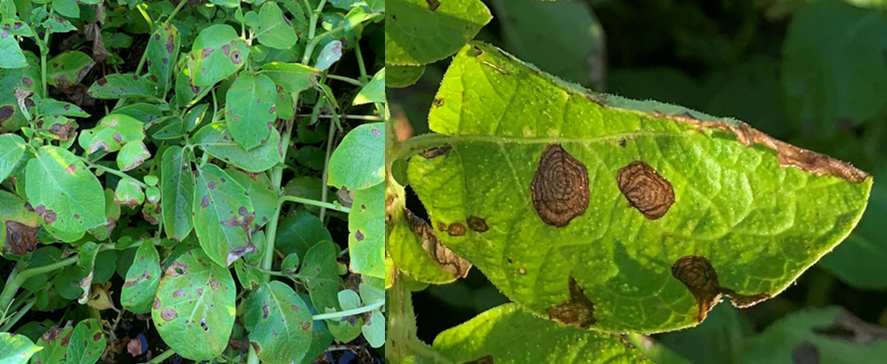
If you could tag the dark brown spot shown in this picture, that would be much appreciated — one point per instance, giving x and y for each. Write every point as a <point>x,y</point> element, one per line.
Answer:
<point>437,102</point>
<point>102,81</point>
<point>205,201</point>
<point>242,211</point>
<point>265,311</point>
<point>47,215</point>
<point>6,112</point>
<point>97,336</point>
<point>226,49</point>
<point>294,308</point>
<point>445,258</point>
<point>645,189</point>
<point>211,185</point>
<point>117,137</point>
<point>27,81</point>
<point>456,229</point>
<point>178,293</point>
<point>153,78</point>
<point>375,132</point>
<point>164,60</point>
<point>560,189</point>
<point>256,346</point>
<point>199,292</point>
<point>177,269</point>
<point>306,326</point>
<point>156,36</point>
<point>805,353</point>
<point>272,110</point>
<point>441,226</point>
<point>477,224</point>
<point>432,4</point>
<point>578,311</point>
<point>195,89</point>
<point>206,52</point>
<point>21,238</point>
<point>236,58</point>
<point>486,359</point>
<point>71,168</point>
<point>64,131</point>
<point>168,314</point>
<point>148,63</point>
<point>358,235</point>
<point>170,44</point>
<point>156,303</point>
<point>214,284</point>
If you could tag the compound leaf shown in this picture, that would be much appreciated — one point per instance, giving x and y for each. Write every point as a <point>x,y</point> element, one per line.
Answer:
<point>63,191</point>
<point>194,306</point>
<point>223,214</point>
<point>598,211</point>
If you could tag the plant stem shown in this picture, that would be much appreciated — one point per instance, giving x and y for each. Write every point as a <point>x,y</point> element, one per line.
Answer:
<point>351,312</point>
<point>325,205</point>
<point>113,171</point>
<point>44,50</point>
<point>169,352</point>
<point>16,281</point>
<point>271,232</point>
<point>326,167</point>
<point>360,65</point>
<point>175,11</point>
<point>18,315</point>
<point>345,79</point>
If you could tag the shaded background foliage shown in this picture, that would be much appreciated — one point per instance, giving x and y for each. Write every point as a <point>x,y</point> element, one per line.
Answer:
<point>813,73</point>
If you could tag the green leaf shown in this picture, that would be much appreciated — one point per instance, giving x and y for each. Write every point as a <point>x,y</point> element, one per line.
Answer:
<point>374,330</point>
<point>132,155</point>
<point>511,335</point>
<point>319,275</point>
<point>142,279</point>
<point>261,193</point>
<point>67,8</point>
<point>348,299</point>
<point>275,29</point>
<point>321,338</point>
<point>54,342</point>
<point>11,55</point>
<point>284,104</point>
<point>673,193</point>
<point>12,148</point>
<point>250,110</point>
<point>359,161</point>
<point>148,114</point>
<point>843,91</point>
<point>85,264</point>
<point>403,76</point>
<point>215,139</point>
<point>560,37</point>
<point>18,226</point>
<point>87,343</point>
<point>829,334</point>
<point>279,323</point>
<point>223,214</point>
<point>68,69</point>
<point>226,3</point>
<point>374,91</point>
<point>16,349</point>
<point>719,338</point>
<point>366,224</point>
<point>129,193</point>
<point>194,306</point>
<point>330,54</point>
<point>311,157</point>
<point>248,276</point>
<point>63,191</point>
<point>411,246</point>
<point>28,78</point>
<point>51,107</point>
<point>177,187</point>
<point>194,117</point>
<point>292,77</point>
<point>111,134</point>
<point>162,53</point>
<point>297,234</point>
<point>58,25</point>
<point>186,93</point>
<point>419,32</point>
<point>121,86</point>
<point>16,27</point>
<point>217,54</point>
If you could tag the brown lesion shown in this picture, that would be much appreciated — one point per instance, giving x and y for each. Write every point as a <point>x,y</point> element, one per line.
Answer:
<point>645,189</point>
<point>477,224</point>
<point>787,155</point>
<point>486,359</point>
<point>20,238</point>
<point>445,258</point>
<point>578,311</point>
<point>700,277</point>
<point>436,152</point>
<point>560,189</point>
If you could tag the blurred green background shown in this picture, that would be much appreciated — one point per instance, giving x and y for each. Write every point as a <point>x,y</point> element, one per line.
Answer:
<point>813,73</point>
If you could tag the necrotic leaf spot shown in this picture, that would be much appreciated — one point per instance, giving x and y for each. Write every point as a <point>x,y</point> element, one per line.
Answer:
<point>477,224</point>
<point>578,311</point>
<point>701,279</point>
<point>560,189</point>
<point>645,189</point>
<point>168,314</point>
<point>456,229</point>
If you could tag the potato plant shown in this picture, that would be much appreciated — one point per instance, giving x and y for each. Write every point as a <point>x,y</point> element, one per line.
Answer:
<point>197,180</point>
